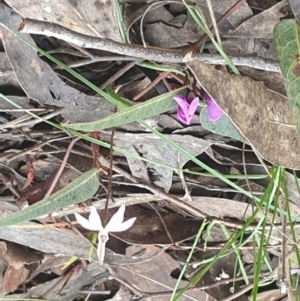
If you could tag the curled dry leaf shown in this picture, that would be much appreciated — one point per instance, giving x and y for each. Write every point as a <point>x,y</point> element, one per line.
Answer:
<point>263,117</point>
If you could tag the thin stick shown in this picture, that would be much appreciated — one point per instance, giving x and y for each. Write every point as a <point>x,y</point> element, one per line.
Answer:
<point>151,85</point>
<point>214,22</point>
<point>151,54</point>
<point>113,78</point>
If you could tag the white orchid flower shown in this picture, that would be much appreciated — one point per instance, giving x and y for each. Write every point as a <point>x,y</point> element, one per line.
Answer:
<point>115,224</point>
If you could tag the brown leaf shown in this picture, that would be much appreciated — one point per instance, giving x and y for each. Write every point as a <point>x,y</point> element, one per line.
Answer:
<point>156,149</point>
<point>36,192</point>
<point>93,18</point>
<point>263,117</point>
<point>273,80</point>
<point>14,277</point>
<point>17,256</point>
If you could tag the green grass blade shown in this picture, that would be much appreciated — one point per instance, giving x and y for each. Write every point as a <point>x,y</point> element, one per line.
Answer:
<point>120,20</point>
<point>188,259</point>
<point>238,256</point>
<point>261,250</point>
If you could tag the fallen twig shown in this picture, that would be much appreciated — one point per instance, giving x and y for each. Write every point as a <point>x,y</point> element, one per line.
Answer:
<point>151,54</point>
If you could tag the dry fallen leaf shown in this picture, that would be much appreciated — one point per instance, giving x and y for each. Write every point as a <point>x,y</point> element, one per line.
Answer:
<point>14,277</point>
<point>40,82</point>
<point>19,260</point>
<point>93,18</point>
<point>156,149</point>
<point>261,25</point>
<point>262,116</point>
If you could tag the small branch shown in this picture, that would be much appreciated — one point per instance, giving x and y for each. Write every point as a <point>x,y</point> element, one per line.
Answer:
<point>151,54</point>
<point>214,21</point>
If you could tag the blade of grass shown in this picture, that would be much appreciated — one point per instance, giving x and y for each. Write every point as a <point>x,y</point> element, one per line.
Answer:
<point>293,233</point>
<point>261,252</point>
<point>238,257</point>
<point>188,259</point>
<point>120,20</point>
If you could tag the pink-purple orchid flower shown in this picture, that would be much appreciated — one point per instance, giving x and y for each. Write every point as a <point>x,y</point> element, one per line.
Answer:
<point>187,106</point>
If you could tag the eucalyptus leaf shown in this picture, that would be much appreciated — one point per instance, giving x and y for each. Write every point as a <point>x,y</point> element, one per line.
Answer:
<point>82,188</point>
<point>222,126</point>
<point>287,43</point>
<point>149,108</point>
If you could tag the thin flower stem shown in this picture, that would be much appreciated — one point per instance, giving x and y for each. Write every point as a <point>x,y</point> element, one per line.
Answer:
<point>61,168</point>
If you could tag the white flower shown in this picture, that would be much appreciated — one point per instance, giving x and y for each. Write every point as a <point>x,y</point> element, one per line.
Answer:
<point>115,224</point>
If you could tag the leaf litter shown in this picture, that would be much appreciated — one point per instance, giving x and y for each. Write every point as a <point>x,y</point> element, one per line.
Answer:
<point>45,253</point>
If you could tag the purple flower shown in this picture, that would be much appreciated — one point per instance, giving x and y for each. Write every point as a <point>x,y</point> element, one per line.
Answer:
<point>214,112</point>
<point>187,107</point>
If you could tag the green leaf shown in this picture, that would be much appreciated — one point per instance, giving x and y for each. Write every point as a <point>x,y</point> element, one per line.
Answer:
<point>149,108</point>
<point>223,126</point>
<point>287,43</point>
<point>82,188</point>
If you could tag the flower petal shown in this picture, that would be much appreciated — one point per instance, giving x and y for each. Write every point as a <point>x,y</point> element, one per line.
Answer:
<point>124,226</point>
<point>183,108</point>
<point>193,106</point>
<point>85,223</point>
<point>214,112</point>
<point>95,219</point>
<point>116,220</point>
<point>182,116</point>
<point>181,99</point>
